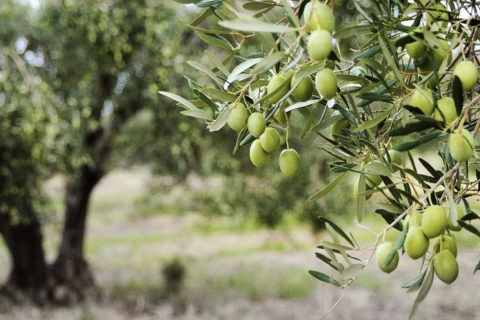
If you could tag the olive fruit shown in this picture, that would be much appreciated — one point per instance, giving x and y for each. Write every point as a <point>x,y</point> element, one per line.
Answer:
<point>288,74</point>
<point>445,266</point>
<point>416,242</point>
<point>440,53</point>
<point>275,83</point>
<point>372,179</point>
<point>460,214</point>
<point>270,140</point>
<point>434,221</point>
<point>319,45</point>
<point>238,117</point>
<point>395,159</point>
<point>414,219</point>
<point>258,156</point>
<point>326,83</point>
<point>467,72</point>
<point>381,256</point>
<point>304,90</point>
<point>256,124</point>
<point>420,101</point>
<point>448,243</point>
<point>356,187</point>
<point>336,128</point>
<point>319,17</point>
<point>416,49</point>
<point>446,110</point>
<point>461,145</point>
<point>289,163</point>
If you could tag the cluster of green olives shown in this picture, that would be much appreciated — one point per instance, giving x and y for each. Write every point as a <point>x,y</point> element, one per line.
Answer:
<point>320,20</point>
<point>434,224</point>
<point>461,143</point>
<point>267,140</point>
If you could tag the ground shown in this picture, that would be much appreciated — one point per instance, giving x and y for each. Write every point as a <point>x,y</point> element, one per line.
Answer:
<point>234,269</point>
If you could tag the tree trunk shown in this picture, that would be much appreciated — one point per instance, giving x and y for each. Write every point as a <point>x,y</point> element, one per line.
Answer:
<point>71,269</point>
<point>29,270</point>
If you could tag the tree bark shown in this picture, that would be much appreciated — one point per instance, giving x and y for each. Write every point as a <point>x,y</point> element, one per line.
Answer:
<point>29,272</point>
<point>71,268</point>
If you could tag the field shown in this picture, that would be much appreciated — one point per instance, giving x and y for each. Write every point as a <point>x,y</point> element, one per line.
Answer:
<point>234,268</point>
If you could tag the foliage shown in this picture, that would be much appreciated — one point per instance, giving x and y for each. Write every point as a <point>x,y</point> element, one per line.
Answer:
<point>26,120</point>
<point>385,110</point>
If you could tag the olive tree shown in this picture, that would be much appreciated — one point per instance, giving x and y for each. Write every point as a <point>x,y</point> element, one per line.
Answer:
<point>408,79</point>
<point>27,121</point>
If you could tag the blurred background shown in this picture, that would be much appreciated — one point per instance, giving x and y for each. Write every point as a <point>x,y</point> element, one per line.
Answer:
<point>115,206</point>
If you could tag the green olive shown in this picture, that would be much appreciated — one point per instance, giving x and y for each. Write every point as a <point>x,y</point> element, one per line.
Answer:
<point>275,83</point>
<point>395,159</point>
<point>372,179</point>
<point>416,242</point>
<point>446,110</point>
<point>414,219</point>
<point>382,253</point>
<point>320,17</point>
<point>337,127</point>
<point>326,83</point>
<point>420,101</point>
<point>461,145</point>
<point>256,124</point>
<point>467,72</point>
<point>445,266</point>
<point>460,214</point>
<point>434,221</point>
<point>258,156</point>
<point>290,163</point>
<point>448,243</point>
<point>304,90</point>
<point>319,45</point>
<point>238,117</point>
<point>270,140</point>
<point>416,49</point>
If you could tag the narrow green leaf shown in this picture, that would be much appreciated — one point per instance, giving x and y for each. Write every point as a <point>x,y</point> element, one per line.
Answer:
<point>477,267</point>
<point>351,31</point>
<point>299,105</point>
<point>291,14</point>
<point>208,3</point>
<point>198,113</point>
<point>187,104</point>
<point>398,245</point>
<point>337,229</point>
<point>322,193</point>
<point>388,56</point>
<point>217,63</point>
<point>352,271</point>
<point>215,40</point>
<point>268,62</point>
<point>413,144</point>
<point>361,198</point>
<point>416,283</point>
<point>326,259</point>
<point>457,94</point>
<point>469,227</point>
<point>422,294</point>
<point>255,26</point>
<point>323,277</point>
<point>220,95</point>
<point>256,5</point>
<point>221,120</point>
<point>375,121</point>
<point>335,246</point>
<point>207,71</point>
